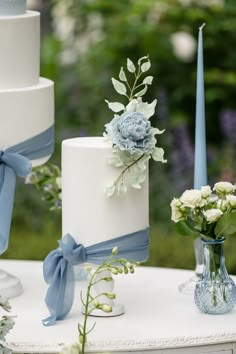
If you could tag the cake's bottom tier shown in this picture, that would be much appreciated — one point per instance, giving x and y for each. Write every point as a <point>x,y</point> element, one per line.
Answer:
<point>25,113</point>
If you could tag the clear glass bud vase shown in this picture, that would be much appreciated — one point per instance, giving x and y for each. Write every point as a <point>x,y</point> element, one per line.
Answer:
<point>215,292</point>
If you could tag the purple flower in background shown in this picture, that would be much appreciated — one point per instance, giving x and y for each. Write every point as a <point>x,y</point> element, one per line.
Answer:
<point>228,124</point>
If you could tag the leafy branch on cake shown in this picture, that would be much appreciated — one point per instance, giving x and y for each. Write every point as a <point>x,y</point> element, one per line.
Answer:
<point>6,324</point>
<point>132,137</point>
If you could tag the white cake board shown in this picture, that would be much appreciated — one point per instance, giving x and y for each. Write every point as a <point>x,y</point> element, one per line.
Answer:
<point>10,286</point>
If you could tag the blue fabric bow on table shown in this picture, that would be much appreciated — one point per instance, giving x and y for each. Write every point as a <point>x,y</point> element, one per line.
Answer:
<point>15,161</point>
<point>58,266</point>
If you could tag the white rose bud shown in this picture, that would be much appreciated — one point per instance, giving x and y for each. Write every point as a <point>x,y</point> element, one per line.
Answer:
<point>176,214</point>
<point>212,215</point>
<point>191,198</point>
<point>206,191</point>
<point>224,188</point>
<point>106,308</point>
<point>231,200</point>
<point>222,204</point>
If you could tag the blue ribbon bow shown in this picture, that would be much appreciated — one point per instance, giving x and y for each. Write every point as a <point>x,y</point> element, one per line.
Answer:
<point>58,266</point>
<point>15,161</point>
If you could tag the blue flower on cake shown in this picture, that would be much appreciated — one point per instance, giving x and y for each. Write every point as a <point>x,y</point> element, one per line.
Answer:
<point>130,133</point>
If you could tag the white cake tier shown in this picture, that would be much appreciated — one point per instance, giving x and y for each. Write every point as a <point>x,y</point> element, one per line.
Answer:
<point>87,214</point>
<point>25,113</point>
<point>19,50</point>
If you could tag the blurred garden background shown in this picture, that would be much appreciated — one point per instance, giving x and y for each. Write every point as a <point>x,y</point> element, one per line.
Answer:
<point>83,44</point>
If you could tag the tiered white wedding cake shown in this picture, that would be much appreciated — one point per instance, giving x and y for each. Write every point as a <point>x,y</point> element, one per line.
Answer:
<point>87,214</point>
<point>26,100</point>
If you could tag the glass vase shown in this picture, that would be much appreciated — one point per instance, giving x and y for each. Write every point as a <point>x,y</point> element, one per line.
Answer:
<point>215,292</point>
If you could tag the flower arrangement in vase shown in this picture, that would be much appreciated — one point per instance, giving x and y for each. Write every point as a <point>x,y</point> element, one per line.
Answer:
<point>211,214</point>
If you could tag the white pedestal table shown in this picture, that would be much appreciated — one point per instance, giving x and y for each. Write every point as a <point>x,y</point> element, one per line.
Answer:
<point>158,319</point>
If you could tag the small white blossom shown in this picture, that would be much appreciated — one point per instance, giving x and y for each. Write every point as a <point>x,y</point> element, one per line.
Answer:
<point>206,191</point>
<point>231,200</point>
<point>176,213</point>
<point>191,198</point>
<point>184,45</point>
<point>224,188</point>
<point>212,215</point>
<point>106,308</point>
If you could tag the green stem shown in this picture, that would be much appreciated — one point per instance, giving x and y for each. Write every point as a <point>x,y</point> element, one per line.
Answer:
<point>134,85</point>
<point>127,168</point>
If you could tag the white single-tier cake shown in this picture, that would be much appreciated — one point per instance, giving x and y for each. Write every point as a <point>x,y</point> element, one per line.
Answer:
<point>87,214</point>
<point>26,100</point>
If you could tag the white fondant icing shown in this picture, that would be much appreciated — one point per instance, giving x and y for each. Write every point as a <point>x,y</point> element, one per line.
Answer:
<point>19,50</point>
<point>87,214</point>
<point>26,112</point>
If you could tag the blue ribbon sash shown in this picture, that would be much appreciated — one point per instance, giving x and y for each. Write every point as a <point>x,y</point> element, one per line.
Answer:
<point>58,266</point>
<point>15,161</point>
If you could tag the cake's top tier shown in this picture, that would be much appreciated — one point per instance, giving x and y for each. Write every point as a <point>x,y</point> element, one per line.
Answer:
<point>12,7</point>
<point>20,50</point>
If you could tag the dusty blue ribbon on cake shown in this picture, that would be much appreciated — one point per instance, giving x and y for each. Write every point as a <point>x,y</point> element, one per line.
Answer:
<point>58,266</point>
<point>15,161</point>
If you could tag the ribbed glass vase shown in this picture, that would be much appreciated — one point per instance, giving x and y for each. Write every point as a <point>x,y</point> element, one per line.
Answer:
<point>215,292</point>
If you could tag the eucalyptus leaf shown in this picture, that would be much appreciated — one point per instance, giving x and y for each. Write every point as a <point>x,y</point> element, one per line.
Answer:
<point>148,80</point>
<point>141,92</point>
<point>122,75</point>
<point>158,155</point>
<point>226,225</point>
<point>109,191</point>
<point>121,189</point>
<point>119,86</point>
<point>148,109</point>
<point>143,58</point>
<point>115,106</point>
<point>130,66</point>
<point>145,66</point>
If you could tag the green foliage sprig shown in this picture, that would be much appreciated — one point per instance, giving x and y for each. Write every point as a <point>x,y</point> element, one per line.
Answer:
<point>131,134</point>
<point>116,266</point>
<point>47,179</point>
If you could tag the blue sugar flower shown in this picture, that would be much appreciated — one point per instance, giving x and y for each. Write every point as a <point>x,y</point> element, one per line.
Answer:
<point>131,132</point>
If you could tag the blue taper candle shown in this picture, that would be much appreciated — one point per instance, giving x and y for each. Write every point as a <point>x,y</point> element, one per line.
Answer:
<point>200,160</point>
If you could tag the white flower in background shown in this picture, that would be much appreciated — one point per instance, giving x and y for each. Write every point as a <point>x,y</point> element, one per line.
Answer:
<point>71,349</point>
<point>191,198</point>
<point>224,188</point>
<point>205,191</point>
<point>176,214</point>
<point>184,45</point>
<point>212,215</point>
<point>231,200</point>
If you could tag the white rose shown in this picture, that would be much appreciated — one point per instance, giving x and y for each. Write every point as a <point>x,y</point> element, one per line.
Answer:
<point>206,191</point>
<point>176,214</point>
<point>212,215</point>
<point>191,198</point>
<point>231,199</point>
<point>224,187</point>
<point>184,45</point>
